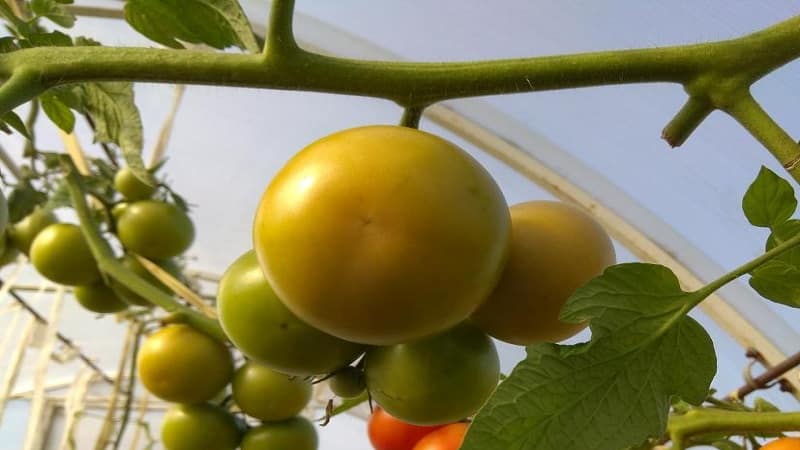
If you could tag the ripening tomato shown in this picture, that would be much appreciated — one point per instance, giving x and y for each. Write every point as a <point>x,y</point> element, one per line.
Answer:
<point>131,187</point>
<point>555,249</point>
<point>382,234</point>
<point>435,380</point>
<point>199,427</point>
<point>258,323</point>
<point>155,230</point>
<point>268,395</point>
<point>296,433</point>
<point>180,364</point>
<point>61,254</point>
<point>389,433</point>
<point>787,443</point>
<point>449,437</point>
<point>25,231</point>
<point>99,298</point>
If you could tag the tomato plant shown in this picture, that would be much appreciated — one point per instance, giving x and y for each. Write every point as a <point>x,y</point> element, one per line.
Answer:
<point>180,364</point>
<point>99,298</point>
<point>555,249</point>
<point>389,433</point>
<point>23,232</point>
<point>268,395</point>
<point>296,433</point>
<point>154,229</point>
<point>360,277</point>
<point>199,427</point>
<point>348,382</point>
<point>458,368</point>
<point>61,254</point>
<point>132,264</point>
<point>787,443</point>
<point>448,437</point>
<point>259,324</point>
<point>131,187</point>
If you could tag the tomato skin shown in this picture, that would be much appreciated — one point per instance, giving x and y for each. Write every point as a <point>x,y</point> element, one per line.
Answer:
<point>155,230</point>
<point>555,249</point>
<point>268,395</point>
<point>296,433</point>
<point>389,433</point>
<point>787,443</point>
<point>118,209</point>
<point>358,231</point>
<point>348,382</point>
<point>459,368</point>
<point>25,231</point>
<point>449,437</point>
<point>131,187</point>
<point>99,298</point>
<point>259,324</point>
<point>199,427</point>
<point>61,254</point>
<point>182,365</point>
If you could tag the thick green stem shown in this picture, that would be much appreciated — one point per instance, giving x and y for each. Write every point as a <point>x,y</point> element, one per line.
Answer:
<point>412,116</point>
<point>755,120</point>
<point>687,120</point>
<point>109,265</point>
<point>705,421</point>
<point>280,37</point>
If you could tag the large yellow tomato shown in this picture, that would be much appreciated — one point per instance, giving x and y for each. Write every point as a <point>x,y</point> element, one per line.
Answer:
<point>555,249</point>
<point>382,234</point>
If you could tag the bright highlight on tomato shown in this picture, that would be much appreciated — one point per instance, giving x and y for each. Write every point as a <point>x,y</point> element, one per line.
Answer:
<point>389,433</point>
<point>259,324</point>
<point>180,364</point>
<point>436,380</point>
<point>555,249</point>
<point>449,437</point>
<point>382,234</point>
<point>787,443</point>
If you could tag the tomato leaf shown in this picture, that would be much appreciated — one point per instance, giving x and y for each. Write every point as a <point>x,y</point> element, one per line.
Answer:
<point>53,10</point>
<point>778,281</point>
<point>116,120</point>
<point>11,119</point>
<point>22,200</point>
<point>58,112</point>
<point>217,23</point>
<point>769,201</point>
<point>615,391</point>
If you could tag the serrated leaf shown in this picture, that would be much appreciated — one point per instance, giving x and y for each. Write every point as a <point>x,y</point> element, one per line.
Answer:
<point>54,11</point>
<point>778,281</point>
<point>83,41</point>
<point>762,405</point>
<point>217,23</point>
<point>116,120</point>
<point>614,392</point>
<point>58,112</point>
<point>12,119</point>
<point>769,200</point>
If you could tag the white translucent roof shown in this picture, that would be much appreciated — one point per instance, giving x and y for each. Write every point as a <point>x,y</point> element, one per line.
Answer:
<point>227,143</point>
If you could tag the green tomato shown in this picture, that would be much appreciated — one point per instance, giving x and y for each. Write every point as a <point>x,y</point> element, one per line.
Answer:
<point>268,395</point>
<point>296,433</point>
<point>133,264</point>
<point>118,209</point>
<point>99,298</point>
<point>61,254</point>
<point>131,187</point>
<point>155,230</point>
<point>266,331</point>
<point>199,427</point>
<point>25,231</point>
<point>348,382</point>
<point>9,252</point>
<point>435,380</point>
<point>180,364</point>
